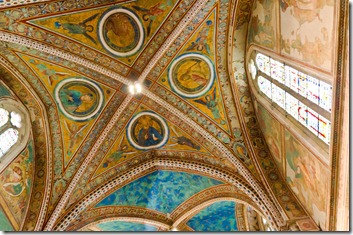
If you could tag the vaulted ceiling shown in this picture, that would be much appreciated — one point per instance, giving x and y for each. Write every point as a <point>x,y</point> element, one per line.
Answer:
<point>104,159</point>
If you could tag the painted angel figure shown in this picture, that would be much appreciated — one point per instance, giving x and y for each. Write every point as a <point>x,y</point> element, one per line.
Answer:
<point>117,155</point>
<point>211,102</point>
<point>75,131</point>
<point>182,140</point>
<point>51,74</point>
<point>201,42</point>
<point>80,28</point>
<point>151,13</point>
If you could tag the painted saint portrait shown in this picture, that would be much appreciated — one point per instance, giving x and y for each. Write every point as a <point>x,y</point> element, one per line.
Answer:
<point>147,130</point>
<point>121,32</point>
<point>191,75</point>
<point>79,99</point>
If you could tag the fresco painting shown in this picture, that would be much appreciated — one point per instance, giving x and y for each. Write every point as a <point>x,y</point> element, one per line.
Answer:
<point>125,226</point>
<point>79,100</point>
<point>16,183</point>
<point>147,130</point>
<point>192,73</point>
<point>121,30</point>
<point>162,191</point>
<point>262,28</point>
<point>307,31</point>
<point>219,216</point>
<point>151,132</point>
<point>5,224</point>
<point>272,131</point>
<point>308,178</point>
<point>4,91</point>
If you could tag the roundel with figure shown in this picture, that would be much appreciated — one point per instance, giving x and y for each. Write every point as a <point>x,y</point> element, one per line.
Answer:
<point>121,32</point>
<point>191,75</point>
<point>79,98</point>
<point>147,130</point>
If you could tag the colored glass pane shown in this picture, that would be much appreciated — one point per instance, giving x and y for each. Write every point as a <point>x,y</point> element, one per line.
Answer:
<point>292,105</point>
<point>325,96</point>
<point>16,119</point>
<point>313,89</point>
<point>313,121</point>
<point>324,129</point>
<point>302,84</point>
<point>7,139</point>
<point>277,70</point>
<point>263,63</point>
<point>4,116</point>
<point>302,113</point>
<point>265,86</point>
<point>278,96</point>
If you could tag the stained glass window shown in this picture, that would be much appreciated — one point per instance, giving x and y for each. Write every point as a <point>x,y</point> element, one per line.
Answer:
<point>265,86</point>
<point>263,63</point>
<point>7,139</point>
<point>4,117</point>
<point>314,90</point>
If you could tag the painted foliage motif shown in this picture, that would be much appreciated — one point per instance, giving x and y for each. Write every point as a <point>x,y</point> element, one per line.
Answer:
<point>220,216</point>
<point>307,31</point>
<point>161,191</point>
<point>262,28</point>
<point>16,183</point>
<point>121,30</point>
<point>308,178</point>
<point>271,129</point>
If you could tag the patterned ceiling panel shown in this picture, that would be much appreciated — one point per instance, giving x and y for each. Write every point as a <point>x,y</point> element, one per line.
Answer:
<point>125,226</point>
<point>162,190</point>
<point>220,217</point>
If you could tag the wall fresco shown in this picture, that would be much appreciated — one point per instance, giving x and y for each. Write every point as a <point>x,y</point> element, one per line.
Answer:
<point>161,190</point>
<point>307,31</point>
<point>5,224</point>
<point>308,178</point>
<point>218,217</point>
<point>16,183</point>
<point>272,131</point>
<point>262,28</point>
<point>192,73</point>
<point>125,226</point>
<point>122,30</point>
<point>4,91</point>
<point>147,130</point>
<point>79,99</point>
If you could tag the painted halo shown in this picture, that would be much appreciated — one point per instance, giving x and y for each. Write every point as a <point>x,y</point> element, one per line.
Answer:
<point>191,75</point>
<point>79,98</point>
<point>120,32</point>
<point>147,130</point>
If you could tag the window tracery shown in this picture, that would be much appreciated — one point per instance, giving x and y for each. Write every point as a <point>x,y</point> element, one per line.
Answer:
<point>14,130</point>
<point>305,98</point>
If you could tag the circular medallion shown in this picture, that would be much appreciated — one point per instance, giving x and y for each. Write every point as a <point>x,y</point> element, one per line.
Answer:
<point>147,130</point>
<point>191,75</point>
<point>121,32</point>
<point>78,98</point>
